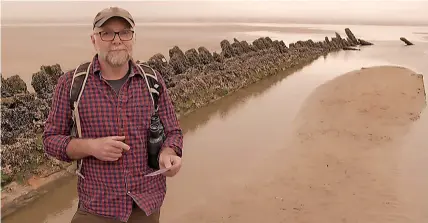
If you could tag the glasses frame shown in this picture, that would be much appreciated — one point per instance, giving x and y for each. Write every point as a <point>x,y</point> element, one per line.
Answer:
<point>118,34</point>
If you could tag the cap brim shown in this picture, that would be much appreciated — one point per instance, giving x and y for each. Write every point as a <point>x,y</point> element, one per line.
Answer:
<point>101,22</point>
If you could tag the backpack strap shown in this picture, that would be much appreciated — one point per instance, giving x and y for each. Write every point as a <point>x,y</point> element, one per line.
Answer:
<point>152,83</point>
<point>78,83</point>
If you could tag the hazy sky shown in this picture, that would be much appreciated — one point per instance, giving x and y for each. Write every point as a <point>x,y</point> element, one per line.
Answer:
<point>409,11</point>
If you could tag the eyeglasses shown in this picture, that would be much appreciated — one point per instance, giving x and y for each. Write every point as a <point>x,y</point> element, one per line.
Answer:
<point>124,35</point>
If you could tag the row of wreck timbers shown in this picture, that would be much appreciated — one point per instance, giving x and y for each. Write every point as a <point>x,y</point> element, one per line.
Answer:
<point>179,62</point>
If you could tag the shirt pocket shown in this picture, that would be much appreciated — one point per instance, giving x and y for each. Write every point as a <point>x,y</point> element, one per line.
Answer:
<point>97,115</point>
<point>140,115</point>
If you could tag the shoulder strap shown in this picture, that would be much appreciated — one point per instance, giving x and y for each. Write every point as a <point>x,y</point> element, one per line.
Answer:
<point>80,76</point>
<point>77,86</point>
<point>78,83</point>
<point>152,83</point>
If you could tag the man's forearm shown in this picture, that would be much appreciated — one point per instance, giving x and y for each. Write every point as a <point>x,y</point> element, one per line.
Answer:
<point>175,141</point>
<point>78,148</point>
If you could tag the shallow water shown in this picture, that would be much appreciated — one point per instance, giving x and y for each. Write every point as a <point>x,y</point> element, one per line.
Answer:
<point>224,141</point>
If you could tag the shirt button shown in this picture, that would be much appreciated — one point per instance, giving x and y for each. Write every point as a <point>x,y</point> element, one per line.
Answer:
<point>129,192</point>
<point>123,98</point>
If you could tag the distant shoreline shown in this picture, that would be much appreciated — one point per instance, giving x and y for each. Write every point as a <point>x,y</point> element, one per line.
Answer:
<point>87,21</point>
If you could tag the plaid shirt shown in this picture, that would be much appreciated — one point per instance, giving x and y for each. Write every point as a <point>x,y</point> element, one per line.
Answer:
<point>109,188</point>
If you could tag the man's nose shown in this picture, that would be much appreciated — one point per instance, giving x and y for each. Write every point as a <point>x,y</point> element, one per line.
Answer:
<point>116,39</point>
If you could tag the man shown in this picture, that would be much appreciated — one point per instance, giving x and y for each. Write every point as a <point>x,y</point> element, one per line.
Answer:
<point>114,109</point>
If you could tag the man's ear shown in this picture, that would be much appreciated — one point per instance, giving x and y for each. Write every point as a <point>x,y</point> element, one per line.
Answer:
<point>93,39</point>
<point>93,42</point>
<point>135,34</point>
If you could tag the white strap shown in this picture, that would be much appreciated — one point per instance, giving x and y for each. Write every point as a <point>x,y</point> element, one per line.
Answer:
<point>147,82</point>
<point>76,116</point>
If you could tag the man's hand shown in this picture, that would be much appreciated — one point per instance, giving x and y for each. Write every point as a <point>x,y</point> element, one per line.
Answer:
<point>169,159</point>
<point>108,148</point>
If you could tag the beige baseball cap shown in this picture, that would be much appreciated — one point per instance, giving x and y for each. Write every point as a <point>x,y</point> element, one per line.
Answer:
<point>110,12</point>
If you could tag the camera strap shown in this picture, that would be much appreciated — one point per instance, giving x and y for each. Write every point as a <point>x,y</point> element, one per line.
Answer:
<point>152,84</point>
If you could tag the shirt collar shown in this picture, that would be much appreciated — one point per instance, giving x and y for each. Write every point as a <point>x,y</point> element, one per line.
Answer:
<point>96,68</point>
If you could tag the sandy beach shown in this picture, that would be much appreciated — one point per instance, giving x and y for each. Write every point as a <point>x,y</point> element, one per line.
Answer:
<point>339,163</point>
<point>351,131</point>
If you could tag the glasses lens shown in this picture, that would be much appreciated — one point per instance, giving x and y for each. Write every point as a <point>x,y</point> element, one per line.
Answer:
<point>126,35</point>
<point>107,36</point>
<point>123,35</point>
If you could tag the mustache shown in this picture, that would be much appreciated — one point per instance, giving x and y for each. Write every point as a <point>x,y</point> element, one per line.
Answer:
<point>118,48</point>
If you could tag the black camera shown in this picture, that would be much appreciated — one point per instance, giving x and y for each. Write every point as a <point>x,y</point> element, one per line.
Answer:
<point>156,139</point>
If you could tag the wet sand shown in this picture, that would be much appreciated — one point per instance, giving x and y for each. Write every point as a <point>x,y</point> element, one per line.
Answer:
<point>339,163</point>
<point>350,132</point>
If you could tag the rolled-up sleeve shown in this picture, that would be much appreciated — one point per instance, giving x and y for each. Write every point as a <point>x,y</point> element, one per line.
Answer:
<point>56,135</point>
<point>174,134</point>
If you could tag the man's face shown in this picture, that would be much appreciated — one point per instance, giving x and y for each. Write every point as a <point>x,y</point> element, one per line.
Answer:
<point>117,51</point>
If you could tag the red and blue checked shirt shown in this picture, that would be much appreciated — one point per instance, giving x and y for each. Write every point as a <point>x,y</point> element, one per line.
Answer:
<point>109,188</point>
